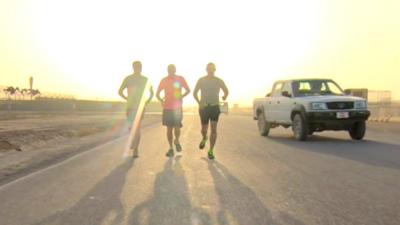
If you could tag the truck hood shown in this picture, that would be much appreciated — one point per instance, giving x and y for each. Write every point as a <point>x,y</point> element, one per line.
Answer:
<point>331,98</point>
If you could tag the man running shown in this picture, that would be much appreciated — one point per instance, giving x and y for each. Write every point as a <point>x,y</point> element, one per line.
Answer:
<point>172,86</point>
<point>210,87</point>
<point>136,85</point>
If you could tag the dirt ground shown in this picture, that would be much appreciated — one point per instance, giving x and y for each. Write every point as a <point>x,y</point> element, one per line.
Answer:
<point>30,141</point>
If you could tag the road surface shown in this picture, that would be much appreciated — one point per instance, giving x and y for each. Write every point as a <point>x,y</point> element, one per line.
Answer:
<point>254,180</point>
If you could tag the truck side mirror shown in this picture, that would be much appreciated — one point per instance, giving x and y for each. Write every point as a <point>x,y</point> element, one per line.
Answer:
<point>286,94</point>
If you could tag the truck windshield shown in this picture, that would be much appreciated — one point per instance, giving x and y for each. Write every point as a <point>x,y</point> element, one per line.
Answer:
<point>316,87</point>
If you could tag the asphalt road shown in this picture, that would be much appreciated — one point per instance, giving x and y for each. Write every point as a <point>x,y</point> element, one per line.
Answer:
<point>254,180</point>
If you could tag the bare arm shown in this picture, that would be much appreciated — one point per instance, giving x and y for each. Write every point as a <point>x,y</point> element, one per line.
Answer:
<point>225,90</point>
<point>151,95</point>
<point>196,93</point>
<point>187,89</point>
<point>121,90</point>
<point>158,93</point>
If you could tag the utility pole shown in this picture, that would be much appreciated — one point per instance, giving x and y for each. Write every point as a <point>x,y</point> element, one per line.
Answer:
<point>30,86</point>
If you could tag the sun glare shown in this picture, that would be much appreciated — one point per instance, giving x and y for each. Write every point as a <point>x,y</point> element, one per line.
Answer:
<point>93,43</point>
<point>86,47</point>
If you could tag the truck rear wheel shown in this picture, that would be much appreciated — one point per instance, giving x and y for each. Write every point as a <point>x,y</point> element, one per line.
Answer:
<point>357,132</point>
<point>263,125</point>
<point>300,128</point>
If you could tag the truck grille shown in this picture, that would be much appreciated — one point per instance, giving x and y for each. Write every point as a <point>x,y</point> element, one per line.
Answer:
<point>340,105</point>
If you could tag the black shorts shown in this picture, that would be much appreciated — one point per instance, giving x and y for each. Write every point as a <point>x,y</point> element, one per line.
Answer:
<point>209,113</point>
<point>172,118</point>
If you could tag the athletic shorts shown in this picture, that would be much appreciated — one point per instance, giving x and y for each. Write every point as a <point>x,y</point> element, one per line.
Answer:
<point>209,113</point>
<point>172,118</point>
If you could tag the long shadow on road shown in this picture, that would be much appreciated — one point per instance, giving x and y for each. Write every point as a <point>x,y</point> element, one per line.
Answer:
<point>170,204</point>
<point>371,152</point>
<point>100,203</point>
<point>239,204</point>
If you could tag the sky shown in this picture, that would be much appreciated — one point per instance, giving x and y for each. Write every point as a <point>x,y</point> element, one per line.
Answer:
<point>85,48</point>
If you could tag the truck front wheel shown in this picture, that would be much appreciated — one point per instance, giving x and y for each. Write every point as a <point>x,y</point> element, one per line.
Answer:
<point>263,125</point>
<point>299,127</point>
<point>357,132</point>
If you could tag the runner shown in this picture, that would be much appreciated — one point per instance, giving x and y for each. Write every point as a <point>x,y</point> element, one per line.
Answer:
<point>172,104</point>
<point>210,87</point>
<point>136,85</point>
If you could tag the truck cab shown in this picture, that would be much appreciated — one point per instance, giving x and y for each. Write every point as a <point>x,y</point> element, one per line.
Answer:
<point>311,105</point>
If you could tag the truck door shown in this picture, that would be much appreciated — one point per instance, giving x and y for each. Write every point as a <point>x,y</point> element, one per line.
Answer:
<point>274,103</point>
<point>285,105</point>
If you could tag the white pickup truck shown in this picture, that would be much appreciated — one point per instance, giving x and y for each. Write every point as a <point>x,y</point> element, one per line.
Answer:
<point>308,106</point>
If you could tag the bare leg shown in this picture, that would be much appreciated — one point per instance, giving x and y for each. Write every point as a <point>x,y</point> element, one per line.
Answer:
<point>177,134</point>
<point>204,131</point>
<point>213,136</point>
<point>136,139</point>
<point>135,144</point>
<point>170,136</point>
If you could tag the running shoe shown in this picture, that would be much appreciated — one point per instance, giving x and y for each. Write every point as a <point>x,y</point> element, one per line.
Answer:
<point>211,154</point>
<point>203,143</point>
<point>170,153</point>
<point>178,147</point>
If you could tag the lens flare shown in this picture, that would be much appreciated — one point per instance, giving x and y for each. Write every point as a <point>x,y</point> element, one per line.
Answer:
<point>134,123</point>
<point>177,85</point>
<point>177,94</point>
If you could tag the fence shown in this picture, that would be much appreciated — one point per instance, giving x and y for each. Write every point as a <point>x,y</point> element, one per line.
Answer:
<point>385,113</point>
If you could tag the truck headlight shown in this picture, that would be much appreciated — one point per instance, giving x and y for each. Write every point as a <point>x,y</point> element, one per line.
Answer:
<point>360,105</point>
<point>319,106</point>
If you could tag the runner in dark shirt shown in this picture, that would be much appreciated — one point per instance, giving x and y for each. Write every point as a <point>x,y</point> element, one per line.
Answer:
<point>210,87</point>
<point>136,85</point>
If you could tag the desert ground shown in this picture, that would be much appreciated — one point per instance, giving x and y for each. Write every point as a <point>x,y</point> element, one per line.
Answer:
<point>30,141</point>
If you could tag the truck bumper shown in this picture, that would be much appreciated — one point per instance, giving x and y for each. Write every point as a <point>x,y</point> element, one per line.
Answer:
<point>319,121</point>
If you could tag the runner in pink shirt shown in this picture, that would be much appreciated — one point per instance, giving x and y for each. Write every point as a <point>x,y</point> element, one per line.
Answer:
<point>172,86</point>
